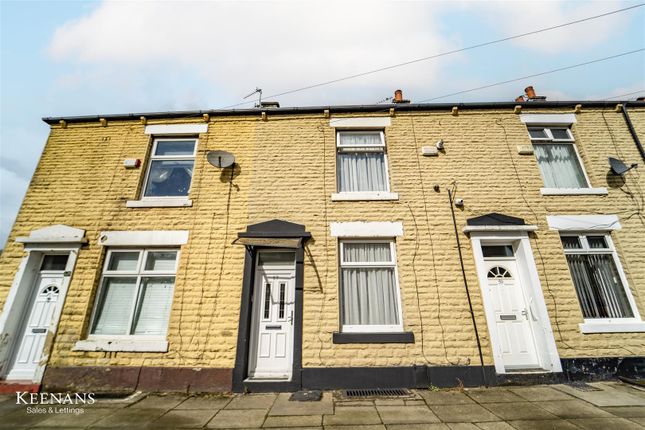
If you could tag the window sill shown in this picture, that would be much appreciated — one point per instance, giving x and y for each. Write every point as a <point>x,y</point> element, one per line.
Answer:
<point>364,195</point>
<point>159,203</point>
<point>115,345</point>
<point>613,327</point>
<point>400,337</point>
<point>573,191</point>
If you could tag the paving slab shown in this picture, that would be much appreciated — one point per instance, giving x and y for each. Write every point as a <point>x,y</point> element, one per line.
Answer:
<point>87,418</point>
<point>605,424</point>
<point>294,421</point>
<point>627,411</point>
<point>573,409</point>
<point>495,425</point>
<point>544,425</point>
<point>204,402</point>
<point>22,418</point>
<point>519,411</point>
<point>158,402</point>
<point>432,426</point>
<point>463,413</point>
<point>237,418</point>
<point>625,388</point>
<point>354,415</point>
<point>389,402</point>
<point>493,395</point>
<point>354,402</point>
<point>608,396</point>
<point>462,426</point>
<point>445,397</point>
<point>193,418</point>
<point>129,418</point>
<point>360,427</point>
<point>640,421</point>
<point>283,406</point>
<point>252,401</point>
<point>539,394</point>
<point>406,415</point>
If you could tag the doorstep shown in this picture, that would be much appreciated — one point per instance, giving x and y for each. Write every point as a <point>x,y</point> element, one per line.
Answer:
<point>12,387</point>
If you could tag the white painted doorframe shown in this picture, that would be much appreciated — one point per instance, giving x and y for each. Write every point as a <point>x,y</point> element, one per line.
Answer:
<point>18,301</point>
<point>272,325</point>
<point>549,359</point>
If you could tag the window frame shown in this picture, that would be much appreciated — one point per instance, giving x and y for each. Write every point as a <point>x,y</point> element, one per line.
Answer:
<point>370,328</point>
<point>153,157</point>
<point>549,140</point>
<point>610,249</point>
<point>139,273</point>
<point>382,147</point>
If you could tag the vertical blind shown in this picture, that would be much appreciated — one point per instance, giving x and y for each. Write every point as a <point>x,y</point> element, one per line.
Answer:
<point>598,285</point>
<point>369,294</point>
<point>559,166</point>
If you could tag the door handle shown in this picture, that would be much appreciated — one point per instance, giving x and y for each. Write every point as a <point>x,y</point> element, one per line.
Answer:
<point>291,317</point>
<point>525,313</point>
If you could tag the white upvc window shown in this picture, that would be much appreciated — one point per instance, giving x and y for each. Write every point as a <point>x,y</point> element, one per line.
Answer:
<point>170,168</point>
<point>361,162</point>
<point>369,288</point>
<point>558,158</point>
<point>135,294</point>
<point>599,280</point>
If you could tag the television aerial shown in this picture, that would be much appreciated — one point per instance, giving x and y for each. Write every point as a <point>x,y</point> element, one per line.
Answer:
<point>220,159</point>
<point>618,167</point>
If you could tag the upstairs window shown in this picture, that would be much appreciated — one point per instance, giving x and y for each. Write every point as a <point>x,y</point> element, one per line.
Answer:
<point>170,169</point>
<point>557,157</point>
<point>370,300</point>
<point>136,293</point>
<point>596,273</point>
<point>361,161</point>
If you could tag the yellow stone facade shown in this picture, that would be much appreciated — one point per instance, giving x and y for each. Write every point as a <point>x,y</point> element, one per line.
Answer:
<point>286,169</point>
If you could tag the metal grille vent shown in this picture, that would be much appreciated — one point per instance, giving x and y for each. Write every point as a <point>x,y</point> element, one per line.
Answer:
<point>377,392</point>
<point>581,386</point>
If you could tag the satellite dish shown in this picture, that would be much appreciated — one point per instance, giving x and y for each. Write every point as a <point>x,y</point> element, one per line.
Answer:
<point>618,167</point>
<point>220,159</point>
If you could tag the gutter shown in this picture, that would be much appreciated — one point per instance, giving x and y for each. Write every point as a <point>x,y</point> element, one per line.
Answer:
<point>632,131</point>
<point>405,107</point>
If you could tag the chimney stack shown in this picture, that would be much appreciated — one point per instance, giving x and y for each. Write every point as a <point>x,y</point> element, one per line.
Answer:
<point>398,97</point>
<point>530,96</point>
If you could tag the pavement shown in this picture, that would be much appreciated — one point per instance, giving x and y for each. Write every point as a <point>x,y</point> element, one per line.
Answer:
<point>596,406</point>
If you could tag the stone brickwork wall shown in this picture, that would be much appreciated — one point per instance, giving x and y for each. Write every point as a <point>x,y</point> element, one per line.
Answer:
<point>286,170</point>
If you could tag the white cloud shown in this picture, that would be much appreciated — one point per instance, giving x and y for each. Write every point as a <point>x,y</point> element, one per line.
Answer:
<point>517,17</point>
<point>275,45</point>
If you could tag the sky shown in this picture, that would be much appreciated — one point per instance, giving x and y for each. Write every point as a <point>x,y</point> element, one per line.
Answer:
<point>98,57</point>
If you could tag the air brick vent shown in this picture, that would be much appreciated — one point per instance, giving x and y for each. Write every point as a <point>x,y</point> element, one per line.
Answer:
<point>377,392</point>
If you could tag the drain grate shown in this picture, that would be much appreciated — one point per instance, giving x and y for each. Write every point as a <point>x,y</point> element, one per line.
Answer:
<point>377,392</point>
<point>582,386</point>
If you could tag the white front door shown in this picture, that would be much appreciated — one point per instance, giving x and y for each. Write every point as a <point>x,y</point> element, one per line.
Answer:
<point>512,313</point>
<point>271,352</point>
<point>37,324</point>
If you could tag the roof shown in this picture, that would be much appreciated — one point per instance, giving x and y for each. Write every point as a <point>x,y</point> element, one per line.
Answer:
<point>401,107</point>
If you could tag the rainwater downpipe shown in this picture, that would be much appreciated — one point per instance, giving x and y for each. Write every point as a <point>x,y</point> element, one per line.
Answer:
<point>630,126</point>
<point>470,303</point>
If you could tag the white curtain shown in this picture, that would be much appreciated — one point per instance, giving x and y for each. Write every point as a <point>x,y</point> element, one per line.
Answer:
<point>113,313</point>
<point>154,305</point>
<point>598,285</point>
<point>357,139</point>
<point>559,166</point>
<point>361,171</point>
<point>366,252</point>
<point>369,295</point>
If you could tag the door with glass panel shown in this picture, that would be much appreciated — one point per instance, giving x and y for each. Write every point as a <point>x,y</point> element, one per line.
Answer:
<point>38,320</point>
<point>512,311</point>
<point>271,352</point>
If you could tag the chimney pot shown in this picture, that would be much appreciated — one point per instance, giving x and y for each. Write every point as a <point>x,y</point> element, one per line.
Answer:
<point>520,99</point>
<point>530,92</point>
<point>398,96</point>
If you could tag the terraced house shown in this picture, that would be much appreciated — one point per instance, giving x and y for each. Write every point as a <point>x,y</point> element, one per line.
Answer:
<point>400,245</point>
